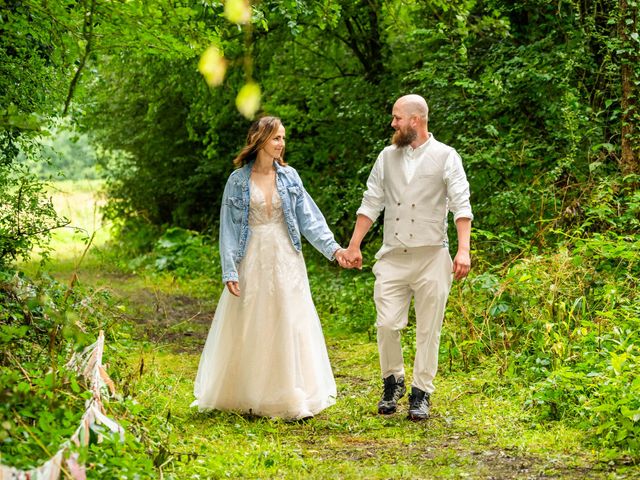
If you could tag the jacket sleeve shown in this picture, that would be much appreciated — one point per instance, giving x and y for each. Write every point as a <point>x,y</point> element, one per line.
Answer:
<point>228,238</point>
<point>312,223</point>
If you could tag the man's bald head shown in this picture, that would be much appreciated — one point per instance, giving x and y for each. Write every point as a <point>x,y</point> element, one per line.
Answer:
<point>414,105</point>
<point>409,120</point>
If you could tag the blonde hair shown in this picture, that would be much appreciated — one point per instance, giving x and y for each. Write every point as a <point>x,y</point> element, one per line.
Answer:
<point>259,134</point>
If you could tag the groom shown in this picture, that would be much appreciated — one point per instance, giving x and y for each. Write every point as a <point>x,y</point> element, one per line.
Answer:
<point>417,181</point>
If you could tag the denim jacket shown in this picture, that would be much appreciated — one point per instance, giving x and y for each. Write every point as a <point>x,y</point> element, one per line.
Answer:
<point>300,212</point>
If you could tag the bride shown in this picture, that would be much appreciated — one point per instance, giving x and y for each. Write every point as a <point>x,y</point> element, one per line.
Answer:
<point>265,353</point>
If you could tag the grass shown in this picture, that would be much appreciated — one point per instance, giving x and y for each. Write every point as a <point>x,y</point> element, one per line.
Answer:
<point>470,434</point>
<point>479,428</point>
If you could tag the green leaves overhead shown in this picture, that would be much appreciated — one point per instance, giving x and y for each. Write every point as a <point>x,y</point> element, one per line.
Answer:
<point>524,90</point>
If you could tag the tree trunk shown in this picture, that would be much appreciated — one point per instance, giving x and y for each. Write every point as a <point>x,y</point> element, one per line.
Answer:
<point>629,102</point>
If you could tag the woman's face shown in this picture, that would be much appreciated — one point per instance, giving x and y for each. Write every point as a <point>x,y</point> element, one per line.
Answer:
<point>275,145</point>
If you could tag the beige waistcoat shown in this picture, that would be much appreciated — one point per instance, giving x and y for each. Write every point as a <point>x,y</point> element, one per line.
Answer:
<point>415,212</point>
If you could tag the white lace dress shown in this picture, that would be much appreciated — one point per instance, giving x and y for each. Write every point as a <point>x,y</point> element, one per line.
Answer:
<point>265,353</point>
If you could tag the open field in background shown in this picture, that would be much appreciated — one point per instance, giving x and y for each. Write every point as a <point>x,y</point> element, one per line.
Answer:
<point>80,202</point>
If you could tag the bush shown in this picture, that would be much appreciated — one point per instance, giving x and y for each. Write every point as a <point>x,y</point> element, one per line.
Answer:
<point>564,325</point>
<point>27,216</point>
<point>179,252</point>
<point>41,402</point>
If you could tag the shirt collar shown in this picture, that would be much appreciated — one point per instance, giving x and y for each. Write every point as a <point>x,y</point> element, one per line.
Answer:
<point>419,149</point>
<point>279,168</point>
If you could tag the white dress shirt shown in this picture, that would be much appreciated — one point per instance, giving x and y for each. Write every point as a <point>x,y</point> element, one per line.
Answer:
<point>373,201</point>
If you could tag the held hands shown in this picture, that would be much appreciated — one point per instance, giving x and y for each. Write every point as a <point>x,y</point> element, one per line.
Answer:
<point>349,258</point>
<point>461,264</point>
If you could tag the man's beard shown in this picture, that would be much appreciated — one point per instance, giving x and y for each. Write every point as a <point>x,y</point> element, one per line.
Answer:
<point>402,139</point>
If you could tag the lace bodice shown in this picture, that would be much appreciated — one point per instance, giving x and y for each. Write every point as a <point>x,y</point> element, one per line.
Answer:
<point>259,212</point>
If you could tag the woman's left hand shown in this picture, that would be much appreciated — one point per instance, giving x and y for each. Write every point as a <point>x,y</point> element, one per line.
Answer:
<point>234,288</point>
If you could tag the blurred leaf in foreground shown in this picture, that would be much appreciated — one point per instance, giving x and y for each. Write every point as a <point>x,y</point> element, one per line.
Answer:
<point>213,66</point>
<point>248,99</point>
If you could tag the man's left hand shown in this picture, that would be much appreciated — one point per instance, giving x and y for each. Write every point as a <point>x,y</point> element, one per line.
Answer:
<point>461,265</point>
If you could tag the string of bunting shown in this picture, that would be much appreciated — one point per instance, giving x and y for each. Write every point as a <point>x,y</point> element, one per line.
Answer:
<point>87,364</point>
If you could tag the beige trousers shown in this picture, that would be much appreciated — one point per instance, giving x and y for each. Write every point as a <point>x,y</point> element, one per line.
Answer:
<point>423,273</point>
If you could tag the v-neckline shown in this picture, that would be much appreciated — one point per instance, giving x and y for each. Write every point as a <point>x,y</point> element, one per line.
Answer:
<point>268,200</point>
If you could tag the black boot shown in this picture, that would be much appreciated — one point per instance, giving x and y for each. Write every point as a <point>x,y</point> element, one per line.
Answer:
<point>393,391</point>
<point>419,404</point>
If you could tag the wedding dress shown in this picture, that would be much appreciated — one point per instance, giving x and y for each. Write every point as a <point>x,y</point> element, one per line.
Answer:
<point>265,353</point>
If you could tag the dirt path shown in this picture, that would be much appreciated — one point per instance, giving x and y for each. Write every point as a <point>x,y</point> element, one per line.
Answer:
<point>179,323</point>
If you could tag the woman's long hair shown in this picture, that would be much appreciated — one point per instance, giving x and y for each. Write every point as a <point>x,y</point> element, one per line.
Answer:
<point>259,134</point>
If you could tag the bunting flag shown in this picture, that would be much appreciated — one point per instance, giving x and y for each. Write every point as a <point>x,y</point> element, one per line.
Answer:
<point>88,365</point>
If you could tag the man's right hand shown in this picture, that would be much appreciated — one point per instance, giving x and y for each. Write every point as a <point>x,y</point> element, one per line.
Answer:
<point>353,255</point>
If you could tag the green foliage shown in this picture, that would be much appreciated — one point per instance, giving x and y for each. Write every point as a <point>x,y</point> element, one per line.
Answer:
<point>38,43</point>
<point>64,153</point>
<point>41,402</point>
<point>175,184</point>
<point>538,98</point>
<point>566,324</point>
<point>343,299</point>
<point>181,253</point>
<point>39,411</point>
<point>561,325</point>
<point>527,92</point>
<point>36,54</point>
<point>27,216</point>
<point>181,137</point>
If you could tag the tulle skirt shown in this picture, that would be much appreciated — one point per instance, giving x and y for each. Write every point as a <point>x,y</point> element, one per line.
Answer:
<point>265,353</point>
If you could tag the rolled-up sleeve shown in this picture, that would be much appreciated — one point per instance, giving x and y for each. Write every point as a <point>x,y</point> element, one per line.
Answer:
<point>373,198</point>
<point>457,187</point>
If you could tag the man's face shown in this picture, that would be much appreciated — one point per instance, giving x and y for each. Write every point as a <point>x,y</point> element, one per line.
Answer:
<point>405,133</point>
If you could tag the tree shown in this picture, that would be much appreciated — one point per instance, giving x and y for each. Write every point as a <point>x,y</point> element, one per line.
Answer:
<point>527,91</point>
<point>35,49</point>
<point>629,73</point>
